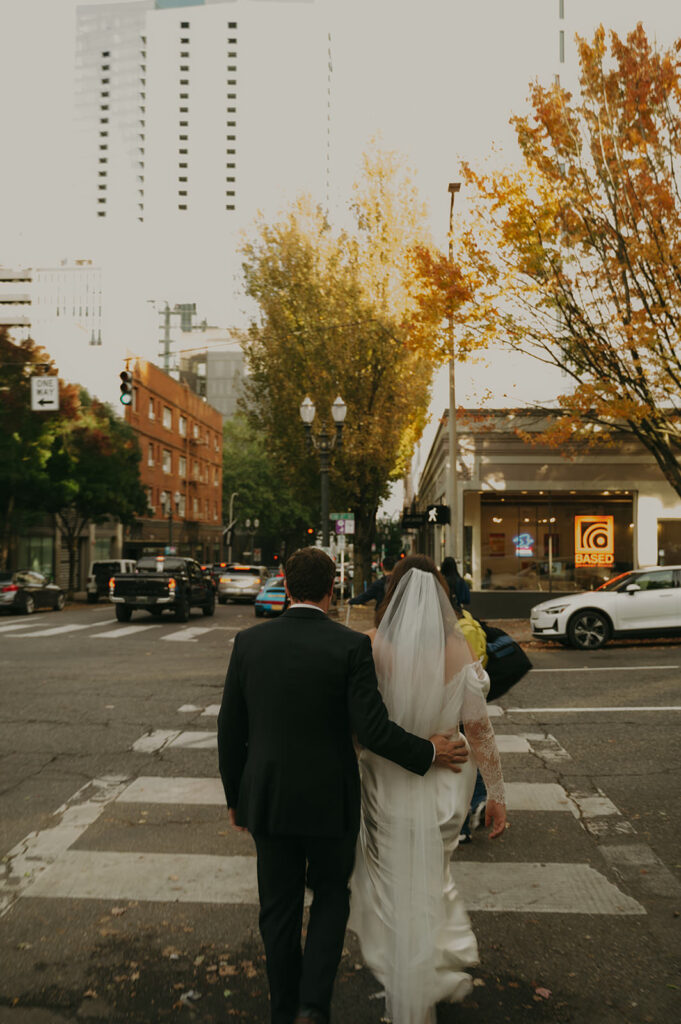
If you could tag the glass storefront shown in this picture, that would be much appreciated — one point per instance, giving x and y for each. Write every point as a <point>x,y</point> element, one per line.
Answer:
<point>36,554</point>
<point>558,542</point>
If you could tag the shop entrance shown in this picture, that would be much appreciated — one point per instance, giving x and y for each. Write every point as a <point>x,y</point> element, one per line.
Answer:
<point>555,542</point>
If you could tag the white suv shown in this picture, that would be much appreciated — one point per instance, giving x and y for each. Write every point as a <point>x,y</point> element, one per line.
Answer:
<point>101,572</point>
<point>644,602</point>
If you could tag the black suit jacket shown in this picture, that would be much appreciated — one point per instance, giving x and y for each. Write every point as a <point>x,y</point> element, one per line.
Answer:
<point>296,690</point>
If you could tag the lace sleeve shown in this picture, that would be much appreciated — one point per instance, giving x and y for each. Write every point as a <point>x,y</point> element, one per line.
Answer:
<point>480,735</point>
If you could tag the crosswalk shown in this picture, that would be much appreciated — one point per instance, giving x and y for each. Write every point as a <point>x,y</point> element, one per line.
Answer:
<point>111,629</point>
<point>58,862</point>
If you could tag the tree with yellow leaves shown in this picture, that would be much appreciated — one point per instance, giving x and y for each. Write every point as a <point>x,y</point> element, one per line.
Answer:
<point>336,315</point>
<point>576,258</point>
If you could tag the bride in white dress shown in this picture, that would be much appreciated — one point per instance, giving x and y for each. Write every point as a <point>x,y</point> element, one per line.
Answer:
<point>412,925</point>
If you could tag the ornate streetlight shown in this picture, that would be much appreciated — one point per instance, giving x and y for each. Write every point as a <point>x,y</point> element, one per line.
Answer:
<point>323,443</point>
<point>167,505</point>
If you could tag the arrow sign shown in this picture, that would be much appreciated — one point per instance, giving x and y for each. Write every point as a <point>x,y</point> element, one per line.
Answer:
<point>44,394</point>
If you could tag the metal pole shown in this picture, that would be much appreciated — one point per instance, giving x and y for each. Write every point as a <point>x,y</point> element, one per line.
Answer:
<point>166,338</point>
<point>324,472</point>
<point>170,525</point>
<point>452,491</point>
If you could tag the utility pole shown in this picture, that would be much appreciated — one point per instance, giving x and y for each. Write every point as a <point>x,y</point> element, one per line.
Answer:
<point>452,489</point>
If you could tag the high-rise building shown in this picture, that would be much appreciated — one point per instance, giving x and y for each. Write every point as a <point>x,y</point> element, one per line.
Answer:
<point>194,114</point>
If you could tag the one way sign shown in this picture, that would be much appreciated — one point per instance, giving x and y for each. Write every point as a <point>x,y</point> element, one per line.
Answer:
<point>44,394</point>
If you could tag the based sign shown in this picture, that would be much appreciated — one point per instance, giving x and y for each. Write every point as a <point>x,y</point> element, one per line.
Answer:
<point>44,394</point>
<point>594,540</point>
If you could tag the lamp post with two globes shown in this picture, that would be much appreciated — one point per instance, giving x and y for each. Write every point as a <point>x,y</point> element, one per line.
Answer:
<point>323,443</point>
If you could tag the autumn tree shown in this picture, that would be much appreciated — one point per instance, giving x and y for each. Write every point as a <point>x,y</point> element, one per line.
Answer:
<point>335,312</point>
<point>576,257</point>
<point>26,436</point>
<point>93,473</point>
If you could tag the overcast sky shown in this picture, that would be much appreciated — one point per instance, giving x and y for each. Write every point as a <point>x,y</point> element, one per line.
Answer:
<point>437,78</point>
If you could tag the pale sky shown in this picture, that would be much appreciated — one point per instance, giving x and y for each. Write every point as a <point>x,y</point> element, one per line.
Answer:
<point>438,79</point>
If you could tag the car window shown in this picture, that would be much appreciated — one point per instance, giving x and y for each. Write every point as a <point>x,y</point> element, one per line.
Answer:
<point>23,578</point>
<point>617,582</point>
<point>243,570</point>
<point>160,565</point>
<point>661,580</point>
<point>36,579</point>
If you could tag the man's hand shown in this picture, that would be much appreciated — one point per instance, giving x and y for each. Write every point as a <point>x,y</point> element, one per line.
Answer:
<point>449,753</point>
<point>232,820</point>
<point>495,815</point>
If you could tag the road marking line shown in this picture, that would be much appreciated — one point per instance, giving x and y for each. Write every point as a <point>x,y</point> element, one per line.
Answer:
<point>605,668</point>
<point>196,741</point>
<point>125,631</point>
<point>61,629</point>
<point>154,741</point>
<point>636,864</point>
<point>204,878</point>
<point>546,746</point>
<point>187,709</point>
<point>593,805</point>
<point>190,635</point>
<point>152,789</point>
<point>27,861</point>
<point>18,625</point>
<point>562,711</point>
<point>212,711</point>
<point>509,743</point>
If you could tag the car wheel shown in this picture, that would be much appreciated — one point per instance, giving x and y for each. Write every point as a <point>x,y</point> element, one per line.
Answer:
<point>222,600</point>
<point>209,609</point>
<point>259,613</point>
<point>61,601</point>
<point>29,605</point>
<point>588,630</point>
<point>123,614</point>
<point>182,611</point>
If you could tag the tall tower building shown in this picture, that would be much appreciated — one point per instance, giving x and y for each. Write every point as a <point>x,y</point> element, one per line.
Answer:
<point>195,114</point>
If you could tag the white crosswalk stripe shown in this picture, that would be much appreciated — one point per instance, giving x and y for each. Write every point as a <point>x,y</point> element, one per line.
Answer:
<point>10,627</point>
<point>190,635</point>
<point>55,631</point>
<point>46,864</point>
<point>115,634</point>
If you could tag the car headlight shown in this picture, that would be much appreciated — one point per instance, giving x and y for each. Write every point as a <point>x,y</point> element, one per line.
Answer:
<point>555,609</point>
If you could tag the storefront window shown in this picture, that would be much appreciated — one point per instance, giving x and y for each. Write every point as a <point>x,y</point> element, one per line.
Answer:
<point>554,542</point>
<point>36,554</point>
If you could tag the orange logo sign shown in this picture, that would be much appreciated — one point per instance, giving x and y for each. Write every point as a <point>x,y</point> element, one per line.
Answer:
<point>594,540</point>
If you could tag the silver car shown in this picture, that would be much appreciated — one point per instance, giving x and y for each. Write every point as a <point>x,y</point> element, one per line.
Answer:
<point>241,582</point>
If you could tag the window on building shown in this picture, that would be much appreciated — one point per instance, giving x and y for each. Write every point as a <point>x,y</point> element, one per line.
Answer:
<point>152,415</point>
<point>196,507</point>
<point>150,455</point>
<point>182,507</point>
<point>167,417</point>
<point>185,41</point>
<point>182,179</point>
<point>183,466</point>
<point>167,461</point>
<point>184,24</point>
<point>196,431</point>
<point>184,138</point>
<point>195,470</point>
<point>182,192</point>
<point>182,206</point>
<point>183,426</point>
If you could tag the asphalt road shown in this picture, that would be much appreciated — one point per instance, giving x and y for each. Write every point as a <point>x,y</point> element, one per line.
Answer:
<point>124,896</point>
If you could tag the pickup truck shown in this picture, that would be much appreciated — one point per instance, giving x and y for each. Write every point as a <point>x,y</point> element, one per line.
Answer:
<point>159,583</point>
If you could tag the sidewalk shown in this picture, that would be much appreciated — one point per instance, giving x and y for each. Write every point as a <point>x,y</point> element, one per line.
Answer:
<point>361,618</point>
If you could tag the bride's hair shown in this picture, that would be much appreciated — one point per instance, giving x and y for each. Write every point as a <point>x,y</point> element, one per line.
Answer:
<point>421,562</point>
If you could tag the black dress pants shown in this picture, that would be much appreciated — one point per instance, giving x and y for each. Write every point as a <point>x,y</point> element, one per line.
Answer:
<point>298,978</point>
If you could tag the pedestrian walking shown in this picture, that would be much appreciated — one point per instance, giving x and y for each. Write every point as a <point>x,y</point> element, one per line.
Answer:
<point>376,590</point>
<point>457,584</point>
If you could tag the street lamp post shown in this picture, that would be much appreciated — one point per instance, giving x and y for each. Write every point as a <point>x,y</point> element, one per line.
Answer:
<point>323,443</point>
<point>452,490</point>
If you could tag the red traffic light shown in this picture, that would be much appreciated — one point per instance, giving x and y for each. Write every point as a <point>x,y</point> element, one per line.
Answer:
<point>310,531</point>
<point>125,396</point>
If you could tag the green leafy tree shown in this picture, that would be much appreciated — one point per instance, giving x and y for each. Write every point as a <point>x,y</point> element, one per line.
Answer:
<point>93,473</point>
<point>250,470</point>
<point>26,437</point>
<point>336,314</point>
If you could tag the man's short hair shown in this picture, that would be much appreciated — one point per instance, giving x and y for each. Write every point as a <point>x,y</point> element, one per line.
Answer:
<point>389,563</point>
<point>310,574</point>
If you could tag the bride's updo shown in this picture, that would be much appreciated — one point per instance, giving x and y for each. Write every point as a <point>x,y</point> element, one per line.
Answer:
<point>421,562</point>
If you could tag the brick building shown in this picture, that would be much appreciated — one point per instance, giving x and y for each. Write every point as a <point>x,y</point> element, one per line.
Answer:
<point>181,469</point>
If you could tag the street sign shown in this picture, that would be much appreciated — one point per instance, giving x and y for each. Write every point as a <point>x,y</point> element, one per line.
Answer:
<point>44,394</point>
<point>341,515</point>
<point>344,526</point>
<point>412,520</point>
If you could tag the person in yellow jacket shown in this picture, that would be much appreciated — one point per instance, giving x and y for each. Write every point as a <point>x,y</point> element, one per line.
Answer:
<point>477,641</point>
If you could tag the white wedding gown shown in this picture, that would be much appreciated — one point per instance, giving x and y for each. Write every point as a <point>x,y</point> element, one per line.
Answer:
<point>412,925</point>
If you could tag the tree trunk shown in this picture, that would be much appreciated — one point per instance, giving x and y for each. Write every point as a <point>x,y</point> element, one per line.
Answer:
<point>6,533</point>
<point>365,531</point>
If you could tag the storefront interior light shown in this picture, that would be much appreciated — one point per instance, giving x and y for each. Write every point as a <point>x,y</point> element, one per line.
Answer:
<point>497,519</point>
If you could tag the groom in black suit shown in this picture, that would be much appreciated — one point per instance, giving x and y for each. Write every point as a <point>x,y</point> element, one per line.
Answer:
<point>296,691</point>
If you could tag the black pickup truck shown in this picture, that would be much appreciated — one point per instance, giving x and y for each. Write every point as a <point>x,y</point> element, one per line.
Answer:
<point>159,583</point>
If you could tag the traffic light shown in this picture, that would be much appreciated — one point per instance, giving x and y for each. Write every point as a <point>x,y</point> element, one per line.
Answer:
<point>125,397</point>
<point>310,531</point>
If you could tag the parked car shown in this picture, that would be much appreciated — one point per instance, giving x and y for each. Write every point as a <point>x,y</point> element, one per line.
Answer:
<point>26,590</point>
<point>643,602</point>
<point>207,571</point>
<point>272,598</point>
<point>159,583</point>
<point>101,572</point>
<point>241,582</point>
